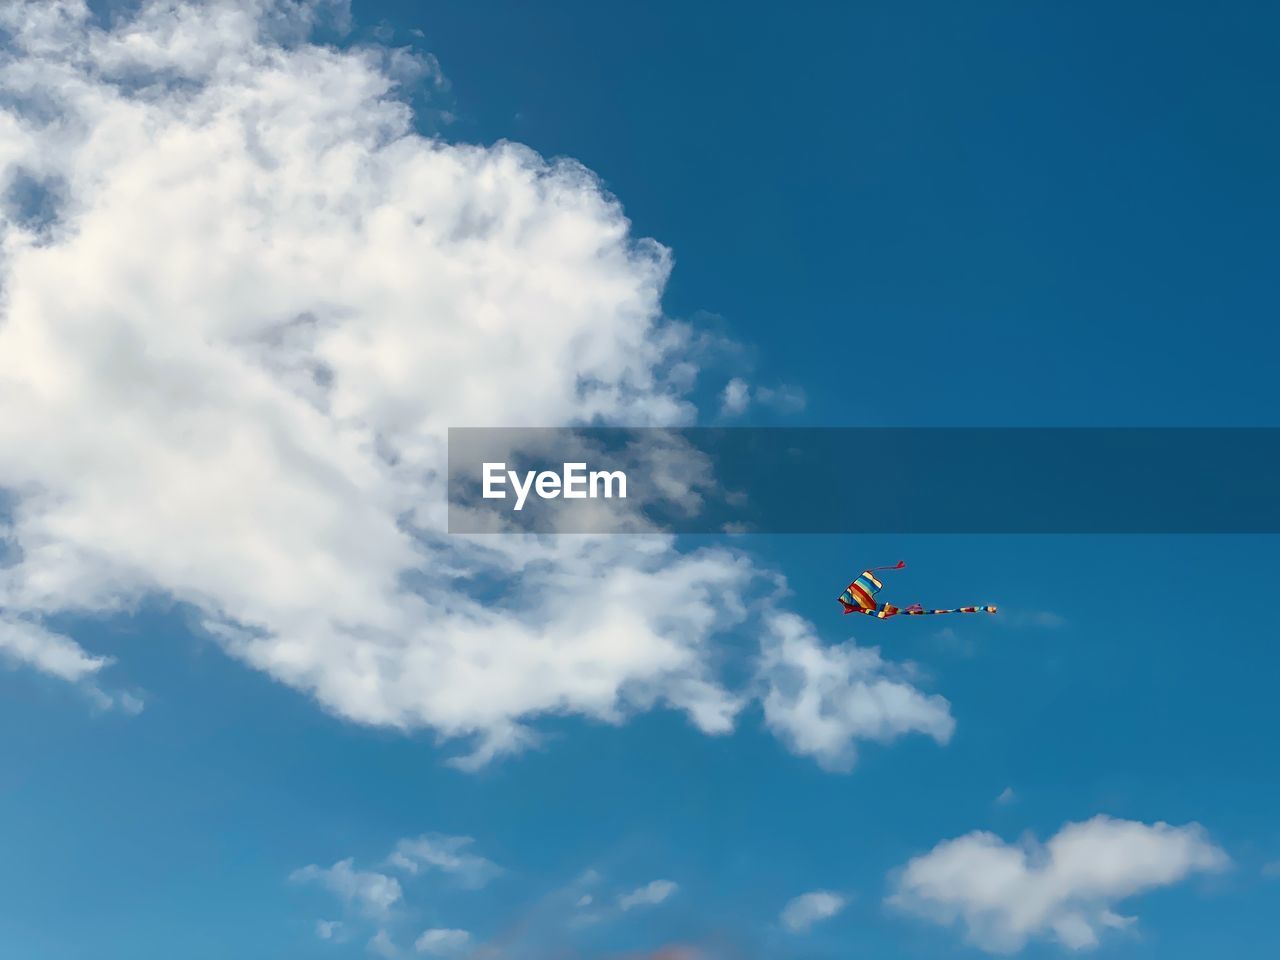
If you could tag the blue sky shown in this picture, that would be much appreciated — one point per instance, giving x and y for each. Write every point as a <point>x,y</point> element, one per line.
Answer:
<point>913,215</point>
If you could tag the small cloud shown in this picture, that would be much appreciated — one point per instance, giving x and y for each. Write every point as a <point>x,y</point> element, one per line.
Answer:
<point>585,911</point>
<point>1007,796</point>
<point>434,851</point>
<point>1044,619</point>
<point>821,700</point>
<point>1047,618</point>
<point>440,942</point>
<point>129,703</point>
<point>328,929</point>
<point>28,643</point>
<point>383,946</point>
<point>126,703</point>
<point>783,399</point>
<point>502,740</point>
<point>949,640</point>
<point>736,398</point>
<point>24,642</point>
<point>650,895</point>
<point>372,893</point>
<point>804,911</point>
<point>1005,895</point>
<point>1271,870</point>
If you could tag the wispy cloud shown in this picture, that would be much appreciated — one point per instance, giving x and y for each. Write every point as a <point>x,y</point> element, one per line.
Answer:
<point>651,894</point>
<point>784,399</point>
<point>382,945</point>
<point>738,396</point>
<point>950,640</point>
<point>1045,619</point>
<point>372,893</point>
<point>800,914</point>
<point>380,898</point>
<point>31,644</point>
<point>24,642</point>
<point>450,855</point>
<point>442,942</point>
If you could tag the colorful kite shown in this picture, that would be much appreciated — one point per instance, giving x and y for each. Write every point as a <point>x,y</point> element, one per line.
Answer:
<point>860,597</point>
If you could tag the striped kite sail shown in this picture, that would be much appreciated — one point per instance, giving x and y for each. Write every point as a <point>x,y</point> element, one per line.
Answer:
<point>860,597</point>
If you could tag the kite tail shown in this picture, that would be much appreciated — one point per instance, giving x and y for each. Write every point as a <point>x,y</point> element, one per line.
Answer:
<point>889,610</point>
<point>921,613</point>
<point>897,566</point>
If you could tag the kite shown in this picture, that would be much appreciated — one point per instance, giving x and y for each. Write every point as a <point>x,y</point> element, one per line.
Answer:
<point>860,597</point>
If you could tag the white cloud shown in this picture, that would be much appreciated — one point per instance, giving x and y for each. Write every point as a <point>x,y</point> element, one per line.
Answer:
<point>328,929</point>
<point>1006,797</point>
<point>822,699</point>
<point>435,851</point>
<point>738,395</point>
<point>372,893</point>
<point>809,908</point>
<point>1271,869</point>
<point>650,895</point>
<point>784,399</point>
<point>441,942</point>
<point>283,297</point>
<point>382,945</point>
<point>32,645</point>
<point>736,398</point>
<point>23,643</point>
<point>1065,890</point>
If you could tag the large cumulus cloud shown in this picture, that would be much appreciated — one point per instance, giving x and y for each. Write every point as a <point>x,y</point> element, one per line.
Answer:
<point>243,299</point>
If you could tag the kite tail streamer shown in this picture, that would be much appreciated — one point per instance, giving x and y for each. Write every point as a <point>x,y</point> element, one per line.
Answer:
<point>897,566</point>
<point>927,613</point>
<point>889,610</point>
